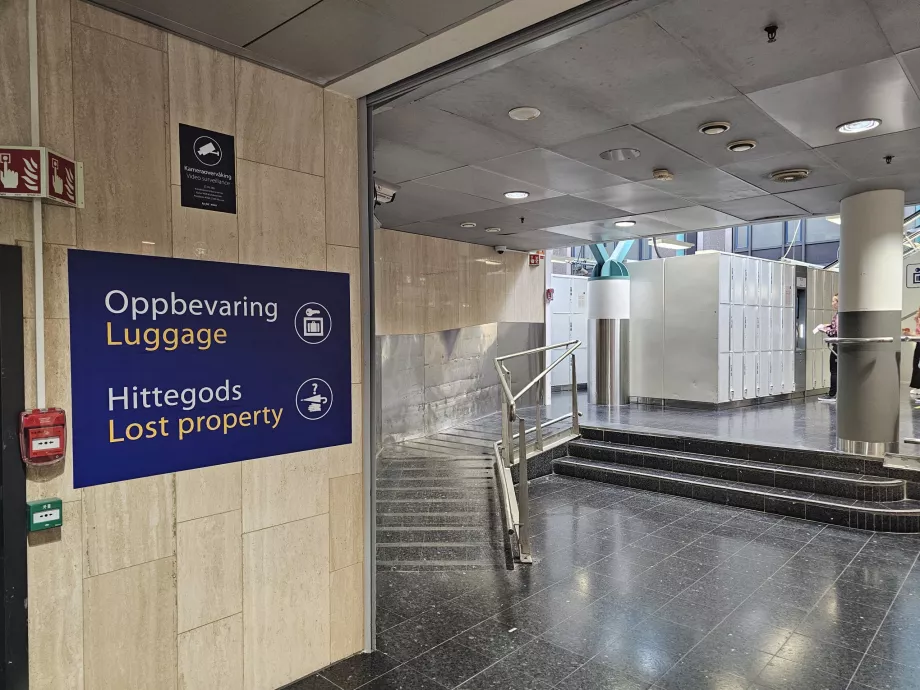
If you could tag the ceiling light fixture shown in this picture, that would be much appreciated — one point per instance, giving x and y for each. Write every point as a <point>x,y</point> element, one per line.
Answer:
<point>620,155</point>
<point>796,175</point>
<point>517,195</point>
<point>625,223</point>
<point>859,126</point>
<point>493,229</point>
<point>715,127</point>
<point>468,225</point>
<point>741,146</point>
<point>524,113</point>
<point>663,174</point>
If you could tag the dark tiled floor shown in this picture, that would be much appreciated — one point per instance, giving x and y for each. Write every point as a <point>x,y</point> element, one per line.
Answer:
<point>640,590</point>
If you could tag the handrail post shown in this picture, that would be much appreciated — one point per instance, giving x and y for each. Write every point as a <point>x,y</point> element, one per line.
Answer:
<point>538,431</point>
<point>575,425</point>
<point>524,498</point>
<point>507,450</point>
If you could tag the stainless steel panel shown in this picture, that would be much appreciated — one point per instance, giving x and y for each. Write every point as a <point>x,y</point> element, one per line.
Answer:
<point>485,184</point>
<point>415,202</point>
<point>707,186</point>
<point>608,361</point>
<point>401,367</point>
<point>552,171</point>
<point>430,16</point>
<point>635,198</point>
<point>694,218</point>
<point>646,332</point>
<point>811,109</point>
<point>758,208</point>
<point>517,337</point>
<point>573,209</point>
<point>758,172</point>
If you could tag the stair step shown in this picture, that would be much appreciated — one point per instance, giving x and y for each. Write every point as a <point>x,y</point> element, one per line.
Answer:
<point>895,516</point>
<point>771,474</point>
<point>447,520</point>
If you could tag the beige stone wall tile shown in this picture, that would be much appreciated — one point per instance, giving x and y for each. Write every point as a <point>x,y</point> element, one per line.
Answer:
<point>57,293</point>
<point>349,459</point>
<point>59,224</point>
<point>201,89</point>
<point>208,491</point>
<point>15,125</point>
<point>117,25</point>
<point>55,559</point>
<point>286,631</point>
<point>346,594</point>
<point>281,217</point>
<point>130,628</point>
<point>285,488</point>
<point>342,203</point>
<point>346,520</point>
<point>120,129</point>
<point>348,260</point>
<point>279,119</point>
<point>55,76</point>
<point>127,523</point>
<point>199,234</point>
<point>209,561</point>
<point>15,217</point>
<point>28,337</point>
<point>211,657</point>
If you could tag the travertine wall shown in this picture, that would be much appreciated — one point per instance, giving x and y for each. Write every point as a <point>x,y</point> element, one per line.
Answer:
<point>427,284</point>
<point>243,576</point>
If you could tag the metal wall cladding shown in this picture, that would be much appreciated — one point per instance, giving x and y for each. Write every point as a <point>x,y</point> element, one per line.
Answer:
<point>435,381</point>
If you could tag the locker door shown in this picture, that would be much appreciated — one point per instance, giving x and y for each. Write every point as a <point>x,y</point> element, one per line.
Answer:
<point>725,279</point>
<point>725,316</point>
<point>809,370</point>
<point>788,328</point>
<point>562,328</point>
<point>737,279</point>
<point>811,321</point>
<point>765,329</point>
<point>579,331</point>
<point>725,360</point>
<point>788,285</point>
<point>776,284</point>
<point>766,282</point>
<point>751,268</point>
<point>788,371</point>
<point>736,328</point>
<point>562,296</point>
<point>776,372</point>
<point>736,376</point>
<point>776,328</point>
<point>750,375</point>
<point>750,329</point>
<point>762,367</point>
<point>579,295</point>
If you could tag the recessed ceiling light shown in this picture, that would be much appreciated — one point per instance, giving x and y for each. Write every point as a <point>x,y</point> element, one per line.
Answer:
<point>524,113</point>
<point>493,229</point>
<point>859,126</point>
<point>625,223</point>
<point>663,174</point>
<point>795,175</point>
<point>715,127</point>
<point>741,146</point>
<point>620,155</point>
<point>517,195</point>
<point>467,225</point>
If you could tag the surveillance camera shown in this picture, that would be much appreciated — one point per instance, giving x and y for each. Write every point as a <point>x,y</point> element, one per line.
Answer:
<point>501,249</point>
<point>384,192</point>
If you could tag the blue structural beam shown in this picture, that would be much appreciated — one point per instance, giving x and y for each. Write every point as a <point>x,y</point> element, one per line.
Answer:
<point>600,253</point>
<point>680,252</point>
<point>621,250</point>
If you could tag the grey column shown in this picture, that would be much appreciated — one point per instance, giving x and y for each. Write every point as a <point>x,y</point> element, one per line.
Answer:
<point>868,379</point>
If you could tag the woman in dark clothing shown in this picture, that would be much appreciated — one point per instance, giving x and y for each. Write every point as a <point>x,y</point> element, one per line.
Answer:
<point>915,372</point>
<point>830,330</point>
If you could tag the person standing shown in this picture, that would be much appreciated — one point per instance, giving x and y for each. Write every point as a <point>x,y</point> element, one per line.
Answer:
<point>830,330</point>
<point>915,372</point>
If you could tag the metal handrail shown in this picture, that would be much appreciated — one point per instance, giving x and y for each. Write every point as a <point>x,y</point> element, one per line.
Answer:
<point>847,341</point>
<point>502,371</point>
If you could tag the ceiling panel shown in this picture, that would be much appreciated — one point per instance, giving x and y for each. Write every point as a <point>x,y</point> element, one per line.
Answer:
<point>681,129</point>
<point>566,113</point>
<point>758,172</point>
<point>398,163</point>
<point>705,186</point>
<point>553,171</point>
<point>899,20</point>
<point>654,153</point>
<point>910,61</point>
<point>811,109</point>
<point>508,218</point>
<point>538,239</point>
<point>486,184</point>
<point>430,16</point>
<point>572,208</point>
<point>815,37</point>
<point>865,158</point>
<point>415,202</point>
<point>635,198</point>
<point>826,200</point>
<point>444,134</point>
<point>630,67</point>
<point>758,208</point>
<point>694,218</point>
<point>596,232</point>
<point>333,38</point>
<point>455,232</point>
<point>235,21</point>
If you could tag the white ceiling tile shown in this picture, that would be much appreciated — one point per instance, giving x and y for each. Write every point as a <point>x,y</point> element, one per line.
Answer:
<point>430,16</point>
<point>815,37</point>
<point>705,186</point>
<point>826,200</point>
<point>865,158</point>
<point>415,202</point>
<point>811,109</point>
<point>694,218</point>
<point>758,172</point>
<point>635,198</point>
<point>552,171</point>
<point>899,20</point>
<point>486,184</point>
<point>399,163</point>
<point>758,208</point>
<point>598,232</point>
<point>573,209</point>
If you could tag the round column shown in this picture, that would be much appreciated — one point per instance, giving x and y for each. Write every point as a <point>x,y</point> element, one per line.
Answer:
<point>608,335</point>
<point>871,272</point>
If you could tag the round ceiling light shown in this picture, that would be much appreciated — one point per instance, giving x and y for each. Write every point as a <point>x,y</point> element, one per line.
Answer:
<point>715,127</point>
<point>795,175</point>
<point>517,195</point>
<point>625,223</point>
<point>467,225</point>
<point>524,113</point>
<point>859,126</point>
<point>741,146</point>
<point>620,155</point>
<point>493,230</point>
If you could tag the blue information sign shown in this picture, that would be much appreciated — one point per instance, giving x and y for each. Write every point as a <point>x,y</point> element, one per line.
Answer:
<point>180,364</point>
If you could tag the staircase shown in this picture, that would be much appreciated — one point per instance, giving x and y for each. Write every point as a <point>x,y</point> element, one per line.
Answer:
<point>848,490</point>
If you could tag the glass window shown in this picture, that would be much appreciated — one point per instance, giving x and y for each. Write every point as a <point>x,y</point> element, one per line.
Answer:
<point>821,230</point>
<point>822,253</point>
<point>767,236</point>
<point>775,254</point>
<point>741,237</point>
<point>794,231</point>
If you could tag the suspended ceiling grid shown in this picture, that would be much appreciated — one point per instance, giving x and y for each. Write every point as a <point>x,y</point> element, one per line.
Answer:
<point>647,81</point>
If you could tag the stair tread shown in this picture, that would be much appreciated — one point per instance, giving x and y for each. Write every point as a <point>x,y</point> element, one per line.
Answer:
<point>755,464</point>
<point>901,507</point>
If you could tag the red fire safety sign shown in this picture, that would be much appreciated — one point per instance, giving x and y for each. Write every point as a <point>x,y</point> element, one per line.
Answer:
<point>35,172</point>
<point>62,179</point>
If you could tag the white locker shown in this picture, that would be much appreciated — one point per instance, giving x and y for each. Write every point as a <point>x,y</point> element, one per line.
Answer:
<point>751,285</point>
<point>776,372</point>
<point>736,328</point>
<point>737,279</point>
<point>562,295</point>
<point>562,329</point>
<point>776,284</point>
<point>788,371</point>
<point>724,377</point>
<point>579,295</point>
<point>762,369</point>
<point>725,279</point>
<point>788,328</point>
<point>788,285</point>
<point>725,317</point>
<point>776,328</point>
<point>765,329</point>
<point>750,375</point>
<point>736,376</point>
<point>750,329</point>
<point>766,283</point>
<point>812,320</point>
<point>579,331</point>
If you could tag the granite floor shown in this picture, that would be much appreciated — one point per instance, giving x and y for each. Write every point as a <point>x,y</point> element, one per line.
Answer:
<point>632,590</point>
